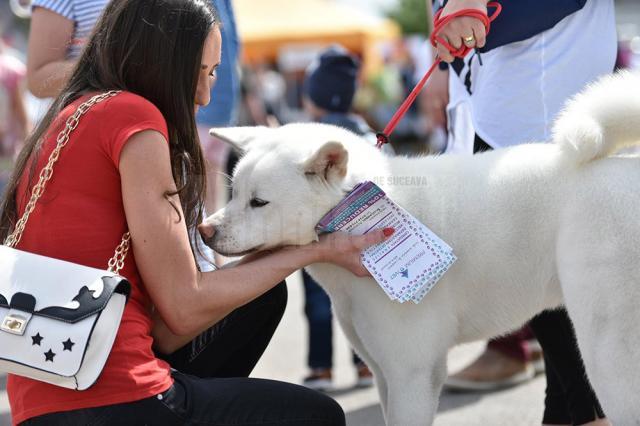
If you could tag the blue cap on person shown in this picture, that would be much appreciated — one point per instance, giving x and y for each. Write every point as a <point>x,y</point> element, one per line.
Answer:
<point>330,80</point>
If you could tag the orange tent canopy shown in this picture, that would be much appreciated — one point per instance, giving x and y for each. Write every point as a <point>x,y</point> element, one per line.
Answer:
<point>268,26</point>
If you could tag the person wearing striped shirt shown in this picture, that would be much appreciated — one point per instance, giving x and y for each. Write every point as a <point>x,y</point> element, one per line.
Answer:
<point>59,31</point>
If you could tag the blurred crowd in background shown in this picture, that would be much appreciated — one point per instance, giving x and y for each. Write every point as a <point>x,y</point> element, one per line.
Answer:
<point>275,51</point>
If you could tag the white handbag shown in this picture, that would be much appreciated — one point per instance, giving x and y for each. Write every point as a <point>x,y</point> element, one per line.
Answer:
<point>58,320</point>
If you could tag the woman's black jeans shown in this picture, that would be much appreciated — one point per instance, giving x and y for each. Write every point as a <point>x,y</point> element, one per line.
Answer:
<point>211,385</point>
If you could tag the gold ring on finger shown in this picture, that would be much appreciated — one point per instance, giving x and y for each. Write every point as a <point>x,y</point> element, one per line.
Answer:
<point>469,39</point>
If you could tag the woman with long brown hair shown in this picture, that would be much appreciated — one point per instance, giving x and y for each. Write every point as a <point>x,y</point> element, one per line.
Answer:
<point>188,339</point>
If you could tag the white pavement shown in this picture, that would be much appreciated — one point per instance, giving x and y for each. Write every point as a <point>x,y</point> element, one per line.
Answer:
<point>285,360</point>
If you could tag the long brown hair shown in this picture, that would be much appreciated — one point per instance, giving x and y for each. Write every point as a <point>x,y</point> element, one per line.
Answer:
<point>152,48</point>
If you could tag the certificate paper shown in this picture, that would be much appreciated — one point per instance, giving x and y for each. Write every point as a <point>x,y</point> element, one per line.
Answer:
<point>408,264</point>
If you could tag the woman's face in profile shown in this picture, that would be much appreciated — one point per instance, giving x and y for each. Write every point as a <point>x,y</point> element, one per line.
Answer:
<point>210,62</point>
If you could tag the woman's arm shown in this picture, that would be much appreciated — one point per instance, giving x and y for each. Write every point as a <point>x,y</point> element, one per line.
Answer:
<point>187,300</point>
<point>49,39</point>
<point>165,341</point>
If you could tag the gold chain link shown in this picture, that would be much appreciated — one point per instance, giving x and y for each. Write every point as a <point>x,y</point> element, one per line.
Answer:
<point>117,261</point>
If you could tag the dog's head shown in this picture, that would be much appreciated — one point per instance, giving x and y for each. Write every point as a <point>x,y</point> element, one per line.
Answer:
<point>286,180</point>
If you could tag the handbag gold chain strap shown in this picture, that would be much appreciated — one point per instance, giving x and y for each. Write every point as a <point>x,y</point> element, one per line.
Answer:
<point>116,263</point>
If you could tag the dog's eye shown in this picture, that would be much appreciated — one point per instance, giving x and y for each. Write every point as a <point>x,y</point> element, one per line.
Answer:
<point>257,202</point>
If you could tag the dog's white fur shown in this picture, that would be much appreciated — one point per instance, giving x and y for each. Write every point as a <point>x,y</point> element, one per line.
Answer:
<point>534,226</point>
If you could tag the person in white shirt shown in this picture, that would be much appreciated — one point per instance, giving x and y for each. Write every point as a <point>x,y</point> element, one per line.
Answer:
<point>504,94</point>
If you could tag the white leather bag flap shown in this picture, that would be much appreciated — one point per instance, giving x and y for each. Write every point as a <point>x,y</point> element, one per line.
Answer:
<point>49,308</point>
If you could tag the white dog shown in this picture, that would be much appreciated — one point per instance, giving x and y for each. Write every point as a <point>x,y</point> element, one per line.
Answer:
<point>533,226</point>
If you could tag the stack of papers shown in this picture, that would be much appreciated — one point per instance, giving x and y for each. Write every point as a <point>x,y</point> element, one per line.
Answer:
<point>408,264</point>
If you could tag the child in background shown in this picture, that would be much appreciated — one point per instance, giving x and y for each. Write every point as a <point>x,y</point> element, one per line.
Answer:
<point>329,87</point>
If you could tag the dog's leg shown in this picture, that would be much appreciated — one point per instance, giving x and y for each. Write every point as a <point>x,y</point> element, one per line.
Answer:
<point>383,389</point>
<point>378,373</point>
<point>342,309</point>
<point>606,329</point>
<point>413,392</point>
<point>408,357</point>
<point>602,293</point>
<point>360,348</point>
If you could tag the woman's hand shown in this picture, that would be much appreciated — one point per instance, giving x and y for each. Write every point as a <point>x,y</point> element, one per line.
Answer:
<point>463,30</point>
<point>344,250</point>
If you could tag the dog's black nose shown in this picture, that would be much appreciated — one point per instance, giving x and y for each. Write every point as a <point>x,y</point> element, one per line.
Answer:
<point>206,230</point>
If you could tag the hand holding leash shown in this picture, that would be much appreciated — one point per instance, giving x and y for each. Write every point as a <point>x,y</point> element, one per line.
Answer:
<point>438,40</point>
<point>466,30</point>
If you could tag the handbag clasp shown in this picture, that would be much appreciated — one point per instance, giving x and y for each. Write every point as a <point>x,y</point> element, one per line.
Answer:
<point>14,324</point>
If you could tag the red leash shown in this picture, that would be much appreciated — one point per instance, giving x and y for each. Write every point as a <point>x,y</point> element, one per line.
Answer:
<point>438,24</point>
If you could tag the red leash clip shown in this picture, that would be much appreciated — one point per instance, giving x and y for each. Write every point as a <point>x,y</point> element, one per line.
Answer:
<point>438,24</point>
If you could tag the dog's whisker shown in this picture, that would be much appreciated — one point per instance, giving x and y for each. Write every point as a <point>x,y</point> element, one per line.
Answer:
<point>224,174</point>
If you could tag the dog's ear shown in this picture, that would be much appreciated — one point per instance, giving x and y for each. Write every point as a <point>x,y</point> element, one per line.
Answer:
<point>329,162</point>
<point>239,137</point>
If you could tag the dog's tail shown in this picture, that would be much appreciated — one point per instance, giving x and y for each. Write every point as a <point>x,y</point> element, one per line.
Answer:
<point>602,119</point>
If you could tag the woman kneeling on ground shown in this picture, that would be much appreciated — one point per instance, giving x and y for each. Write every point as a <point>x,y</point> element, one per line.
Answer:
<point>188,339</point>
